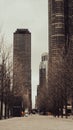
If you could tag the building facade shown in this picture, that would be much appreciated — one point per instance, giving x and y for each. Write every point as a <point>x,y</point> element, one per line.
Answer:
<point>43,81</point>
<point>60,26</point>
<point>22,65</point>
<point>43,70</point>
<point>56,29</point>
<point>60,29</point>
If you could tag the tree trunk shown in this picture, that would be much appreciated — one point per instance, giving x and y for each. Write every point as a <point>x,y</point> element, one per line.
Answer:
<point>66,114</point>
<point>1,106</point>
<point>5,110</point>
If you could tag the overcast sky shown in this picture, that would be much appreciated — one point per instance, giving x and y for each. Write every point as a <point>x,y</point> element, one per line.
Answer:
<point>31,14</point>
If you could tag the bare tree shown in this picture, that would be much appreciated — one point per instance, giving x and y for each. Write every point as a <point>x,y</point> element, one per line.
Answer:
<point>20,87</point>
<point>5,77</point>
<point>42,100</point>
<point>60,85</point>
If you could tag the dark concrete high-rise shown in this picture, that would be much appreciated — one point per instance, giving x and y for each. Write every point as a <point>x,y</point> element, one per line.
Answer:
<point>56,29</point>
<point>60,28</point>
<point>22,65</point>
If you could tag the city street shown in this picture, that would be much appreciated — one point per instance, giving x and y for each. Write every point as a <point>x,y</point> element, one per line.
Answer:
<point>36,122</point>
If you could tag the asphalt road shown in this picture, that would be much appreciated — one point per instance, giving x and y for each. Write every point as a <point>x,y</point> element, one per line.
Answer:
<point>36,122</point>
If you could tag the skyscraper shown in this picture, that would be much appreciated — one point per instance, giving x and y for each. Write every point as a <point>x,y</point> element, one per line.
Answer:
<point>43,70</point>
<point>56,29</point>
<point>22,65</point>
<point>42,88</point>
<point>60,28</point>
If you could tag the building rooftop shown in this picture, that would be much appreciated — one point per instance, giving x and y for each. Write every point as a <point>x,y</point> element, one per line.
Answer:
<point>44,56</point>
<point>22,31</point>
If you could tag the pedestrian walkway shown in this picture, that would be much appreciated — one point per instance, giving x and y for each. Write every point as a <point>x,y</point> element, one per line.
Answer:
<point>36,122</point>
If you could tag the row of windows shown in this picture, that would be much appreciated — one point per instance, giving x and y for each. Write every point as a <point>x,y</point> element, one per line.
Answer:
<point>56,19</point>
<point>58,31</point>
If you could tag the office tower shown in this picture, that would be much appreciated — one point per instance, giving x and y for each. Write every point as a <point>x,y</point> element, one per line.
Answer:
<point>56,29</point>
<point>60,72</point>
<point>43,70</point>
<point>43,80</point>
<point>22,65</point>
<point>60,29</point>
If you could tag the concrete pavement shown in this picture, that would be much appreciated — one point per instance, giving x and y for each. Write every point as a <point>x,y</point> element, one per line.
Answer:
<point>36,122</point>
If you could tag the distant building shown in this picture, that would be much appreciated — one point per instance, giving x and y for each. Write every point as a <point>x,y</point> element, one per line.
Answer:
<point>43,70</point>
<point>43,77</point>
<point>22,65</point>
